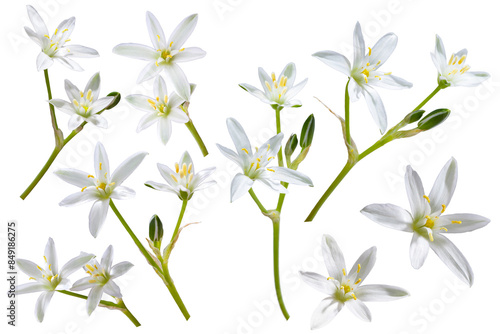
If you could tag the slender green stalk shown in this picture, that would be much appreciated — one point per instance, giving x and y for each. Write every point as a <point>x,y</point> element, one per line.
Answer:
<point>276,257</point>
<point>133,236</point>
<point>41,173</point>
<point>259,204</point>
<point>173,291</point>
<point>278,130</point>
<point>51,107</point>
<point>347,118</point>
<point>179,220</point>
<point>104,303</point>
<point>348,166</point>
<point>196,135</point>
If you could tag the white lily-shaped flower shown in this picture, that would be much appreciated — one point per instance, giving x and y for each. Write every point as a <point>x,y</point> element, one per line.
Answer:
<point>255,164</point>
<point>165,53</point>
<point>101,186</point>
<point>346,289</point>
<point>48,278</point>
<point>427,222</point>
<point>184,181</point>
<point>162,108</point>
<point>365,72</point>
<point>454,71</point>
<point>54,47</point>
<point>84,105</point>
<point>278,91</point>
<point>100,279</point>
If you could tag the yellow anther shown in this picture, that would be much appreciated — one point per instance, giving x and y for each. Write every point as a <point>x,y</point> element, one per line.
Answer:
<point>151,101</point>
<point>76,102</point>
<point>256,149</point>
<point>244,150</point>
<point>275,85</point>
<point>354,296</point>
<point>89,94</point>
<point>358,281</point>
<point>451,59</point>
<point>65,30</point>
<point>365,72</point>
<point>268,86</point>
<point>106,175</point>
<point>330,278</point>
<point>176,167</point>
<point>258,159</point>
<point>431,237</point>
<point>39,268</point>
<point>284,91</point>
<point>258,166</point>
<point>92,281</point>
<point>158,98</point>
<point>453,72</point>
<point>268,159</point>
<point>182,49</point>
<point>268,146</point>
<point>92,176</point>
<point>158,37</point>
<point>285,81</point>
<point>169,56</point>
<point>66,41</point>
<point>273,76</point>
<point>456,222</point>
<point>429,223</point>
<point>359,268</point>
<point>388,73</point>
<point>95,266</point>
<point>342,287</point>
<point>173,177</point>
<point>46,36</point>
<point>366,79</point>
<point>271,170</point>
<point>55,32</point>
<point>165,99</point>
<point>427,198</point>
<point>100,165</point>
<point>190,178</point>
<point>444,208</point>
<point>32,278</point>
<point>465,69</point>
<point>369,51</point>
<point>50,267</point>
<point>171,43</point>
<point>184,169</point>
<point>367,64</point>
<point>455,60</point>
<point>156,63</point>
<point>281,81</point>
<point>378,77</point>
<point>343,271</point>
<point>443,229</point>
<point>89,267</point>
<point>84,188</point>
<point>45,259</point>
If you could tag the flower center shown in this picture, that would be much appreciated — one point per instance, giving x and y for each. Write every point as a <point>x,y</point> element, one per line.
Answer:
<point>346,289</point>
<point>184,174</point>
<point>160,105</point>
<point>55,44</point>
<point>432,222</point>
<point>166,54</point>
<point>84,106</point>
<point>97,274</point>
<point>47,273</point>
<point>456,66</point>
<point>277,88</point>
<point>259,162</point>
<point>102,187</point>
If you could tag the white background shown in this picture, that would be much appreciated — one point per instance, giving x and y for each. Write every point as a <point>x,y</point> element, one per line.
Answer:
<point>223,267</point>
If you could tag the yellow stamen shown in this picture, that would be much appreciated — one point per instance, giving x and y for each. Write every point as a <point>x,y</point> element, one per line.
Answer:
<point>176,167</point>
<point>173,177</point>
<point>330,278</point>
<point>46,36</point>
<point>190,178</point>
<point>343,271</point>
<point>45,259</point>
<point>95,266</point>
<point>50,267</point>
<point>151,102</point>
<point>366,79</point>
<point>268,146</point>
<point>429,223</point>
<point>55,33</point>
<point>268,86</point>
<point>367,64</point>
<point>244,150</point>
<point>431,237</point>
<point>284,91</point>
<point>281,81</point>
<point>158,37</point>
<point>169,56</point>
<point>451,59</point>
<point>106,175</point>
<point>184,169</point>
<point>273,76</point>
<point>92,176</point>
<point>388,73</point>
<point>443,229</point>
<point>156,63</point>
<point>182,49</point>
<point>89,267</point>
<point>258,159</point>
<point>84,188</point>
<point>100,165</point>
<point>270,158</point>
<point>369,51</point>
<point>39,268</point>
<point>258,166</point>
<point>92,281</point>
<point>171,43</point>
<point>285,81</point>
<point>76,102</point>
<point>359,268</point>
<point>427,198</point>
<point>462,59</point>
<point>354,296</point>
<point>378,77</point>
<point>65,30</point>
<point>89,94</point>
<point>271,170</point>
<point>66,41</point>
<point>165,99</point>
<point>358,281</point>
<point>444,208</point>
<point>455,60</point>
<point>32,278</point>
<point>456,222</point>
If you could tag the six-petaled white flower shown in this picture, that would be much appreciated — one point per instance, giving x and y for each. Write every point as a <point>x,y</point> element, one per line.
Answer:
<point>101,186</point>
<point>165,53</point>
<point>365,72</point>
<point>454,71</point>
<point>346,289</point>
<point>163,108</point>
<point>184,181</point>
<point>254,164</point>
<point>84,105</point>
<point>48,278</point>
<point>100,279</point>
<point>278,91</point>
<point>427,222</point>
<point>54,47</point>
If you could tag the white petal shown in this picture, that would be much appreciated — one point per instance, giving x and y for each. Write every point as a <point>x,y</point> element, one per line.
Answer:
<point>289,71</point>
<point>179,80</point>
<point>391,82</point>
<point>273,184</point>
<point>112,289</point>
<point>107,258</point>
<point>419,248</point>
<point>231,155</point>
<point>120,269</point>
<point>166,173</point>
<point>453,258</point>
<point>71,90</point>
<point>74,177</point>
<point>97,216</point>
<point>239,138</point>
<point>255,92</point>
<point>363,265</point>
<point>383,49</point>
<point>102,103</point>
<point>333,257</point>
<point>468,222</point>
<point>296,89</point>
<point>82,284</point>
<point>127,167</point>
<point>389,215</point>
<point>136,51</point>
<point>37,21</point>
<point>69,63</point>
<point>239,186</point>
<point>318,282</point>
<point>42,303</point>
<point>183,30</point>
<point>272,145</point>
<point>178,116</point>
<point>334,60</point>
<point>122,192</point>
<point>189,54</point>
<point>98,121</point>
<point>327,309</point>
<point>174,100</point>
<point>160,186</point>
<point>94,298</point>
<point>79,197</point>
<point>160,88</point>
<point>51,256</point>
<point>30,288</point>
<point>164,130</point>
<point>101,162</point>
<point>63,106</point>
<point>75,263</point>
<point>376,107</point>
<point>29,268</point>
<point>471,79</point>
<point>290,176</point>
<point>148,72</point>
<point>155,31</point>
<point>80,51</point>
<point>75,121</point>
<point>34,36</point>
<point>264,77</point>
<point>43,61</point>
<point>380,293</point>
<point>444,186</point>
<point>358,45</point>
<point>359,309</point>
<point>415,192</point>
<point>140,102</point>
<point>440,54</point>
<point>355,90</point>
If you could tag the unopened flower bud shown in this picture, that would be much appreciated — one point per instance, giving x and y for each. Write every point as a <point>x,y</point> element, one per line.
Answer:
<point>307,133</point>
<point>433,119</point>
<point>155,229</point>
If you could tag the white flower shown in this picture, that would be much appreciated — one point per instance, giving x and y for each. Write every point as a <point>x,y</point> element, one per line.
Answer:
<point>49,278</point>
<point>278,91</point>
<point>254,165</point>
<point>54,47</point>
<point>165,53</point>
<point>100,279</point>
<point>84,106</point>
<point>365,73</point>
<point>454,71</point>
<point>346,289</point>
<point>101,187</point>
<point>162,108</point>
<point>184,181</point>
<point>427,223</point>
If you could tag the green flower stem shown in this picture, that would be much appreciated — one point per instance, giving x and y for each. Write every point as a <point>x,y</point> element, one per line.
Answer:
<point>179,220</point>
<point>349,165</point>
<point>169,282</point>
<point>347,118</point>
<point>276,258</point>
<point>51,107</point>
<point>196,135</point>
<point>120,305</point>
<point>133,236</point>
<point>259,204</point>
<point>278,130</point>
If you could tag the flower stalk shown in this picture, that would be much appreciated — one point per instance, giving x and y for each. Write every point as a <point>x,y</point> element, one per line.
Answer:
<point>197,137</point>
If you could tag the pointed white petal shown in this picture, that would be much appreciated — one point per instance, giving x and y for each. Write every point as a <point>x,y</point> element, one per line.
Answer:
<point>273,184</point>
<point>63,106</point>
<point>376,107</point>
<point>263,77</point>
<point>444,186</point>
<point>51,256</point>
<point>71,90</point>
<point>440,54</point>
<point>82,284</point>
<point>415,192</point>
<point>391,82</point>
<point>178,116</point>
<point>419,248</point>
<point>75,263</point>
<point>75,121</point>
<point>97,216</point>
<point>468,222</point>
<point>69,63</point>
<point>471,79</point>
<point>30,288</point>
<point>29,268</point>
<point>289,71</point>
<point>383,49</point>
<point>290,176</point>
<point>355,90</point>
<point>102,103</point>
<point>136,51</point>
<point>380,293</point>
<point>80,51</point>
<point>359,309</point>
<point>161,187</point>
<point>98,121</point>
<point>164,130</point>
<point>34,36</point>
<point>358,45</point>
<point>231,155</point>
<point>363,265</point>
<point>122,192</point>
<point>42,303</point>
<point>183,30</point>
<point>389,215</point>
<point>148,72</point>
<point>255,92</point>
<point>140,102</point>
<point>160,88</point>
<point>318,282</point>
<point>333,257</point>
<point>155,31</point>
<point>335,60</point>
<point>296,89</point>
<point>327,309</point>
<point>107,258</point>
<point>43,61</point>
<point>239,186</point>
<point>189,54</point>
<point>120,269</point>
<point>94,298</point>
<point>79,197</point>
<point>74,177</point>
<point>127,167</point>
<point>239,138</point>
<point>37,21</point>
<point>179,80</point>
<point>101,162</point>
<point>112,289</point>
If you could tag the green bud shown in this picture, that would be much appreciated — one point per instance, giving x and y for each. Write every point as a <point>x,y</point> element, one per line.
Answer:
<point>413,116</point>
<point>291,145</point>
<point>434,118</point>
<point>155,229</point>
<point>307,133</point>
<point>115,101</point>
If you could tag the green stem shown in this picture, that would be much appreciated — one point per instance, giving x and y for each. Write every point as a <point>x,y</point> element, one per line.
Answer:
<point>346,107</point>
<point>259,204</point>
<point>133,236</point>
<point>41,173</point>
<point>51,107</point>
<point>179,220</point>
<point>173,291</point>
<point>278,130</point>
<point>281,199</point>
<point>104,303</point>
<point>196,135</point>
<point>276,256</point>
<point>348,166</point>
